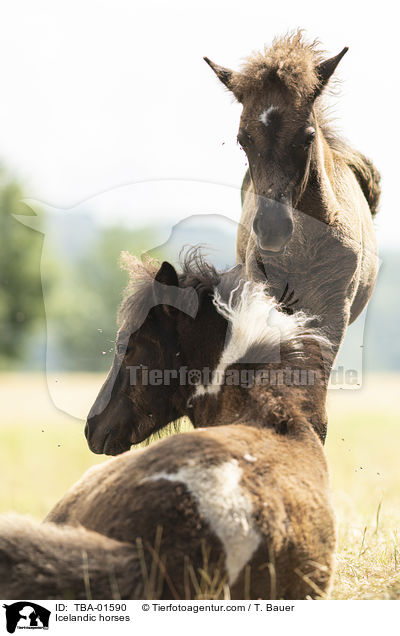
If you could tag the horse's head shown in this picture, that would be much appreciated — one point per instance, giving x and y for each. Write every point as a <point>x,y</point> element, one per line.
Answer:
<point>162,331</point>
<point>178,337</point>
<point>277,130</point>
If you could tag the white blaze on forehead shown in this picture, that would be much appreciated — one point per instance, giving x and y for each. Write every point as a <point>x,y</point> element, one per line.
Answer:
<point>264,118</point>
<point>226,507</point>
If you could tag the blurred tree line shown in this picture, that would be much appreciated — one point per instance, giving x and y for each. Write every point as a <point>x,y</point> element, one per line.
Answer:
<point>82,288</point>
<point>81,312</point>
<point>75,295</point>
<point>20,287</point>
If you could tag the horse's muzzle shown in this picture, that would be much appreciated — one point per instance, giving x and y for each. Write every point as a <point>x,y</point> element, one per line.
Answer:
<point>273,226</point>
<point>107,437</point>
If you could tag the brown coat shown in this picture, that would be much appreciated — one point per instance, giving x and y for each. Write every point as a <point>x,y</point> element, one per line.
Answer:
<point>308,197</point>
<point>249,505</point>
<point>239,507</point>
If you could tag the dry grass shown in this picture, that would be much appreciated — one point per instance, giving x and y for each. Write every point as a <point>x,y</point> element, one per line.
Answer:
<point>368,561</point>
<point>42,452</point>
<point>362,448</point>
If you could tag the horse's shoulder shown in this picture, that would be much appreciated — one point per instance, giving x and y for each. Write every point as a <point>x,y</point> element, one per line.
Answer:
<point>366,174</point>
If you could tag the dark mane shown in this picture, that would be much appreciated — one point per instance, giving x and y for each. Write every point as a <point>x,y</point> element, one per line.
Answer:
<point>196,271</point>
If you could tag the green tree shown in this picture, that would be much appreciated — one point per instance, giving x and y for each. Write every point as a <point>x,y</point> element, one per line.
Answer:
<point>83,310</point>
<point>21,302</point>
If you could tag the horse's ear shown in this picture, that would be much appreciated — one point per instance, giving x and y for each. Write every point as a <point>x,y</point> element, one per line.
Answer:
<point>326,69</point>
<point>229,78</point>
<point>167,275</point>
<point>166,299</point>
<point>224,74</point>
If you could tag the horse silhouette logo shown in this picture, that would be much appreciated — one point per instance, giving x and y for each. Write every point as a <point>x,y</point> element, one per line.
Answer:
<point>26,615</point>
<point>202,214</point>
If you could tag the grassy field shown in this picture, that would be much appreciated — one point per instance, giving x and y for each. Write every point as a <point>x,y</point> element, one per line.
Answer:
<point>43,451</point>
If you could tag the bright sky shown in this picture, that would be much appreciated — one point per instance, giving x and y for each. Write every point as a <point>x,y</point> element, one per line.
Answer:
<point>96,94</point>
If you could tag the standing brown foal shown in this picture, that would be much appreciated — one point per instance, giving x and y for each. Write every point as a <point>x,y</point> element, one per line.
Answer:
<point>308,198</point>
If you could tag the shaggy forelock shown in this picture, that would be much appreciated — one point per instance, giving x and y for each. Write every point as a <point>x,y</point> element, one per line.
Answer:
<point>138,292</point>
<point>142,292</point>
<point>290,59</point>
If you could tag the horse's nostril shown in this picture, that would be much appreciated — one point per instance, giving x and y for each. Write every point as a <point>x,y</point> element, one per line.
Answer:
<point>87,431</point>
<point>274,217</point>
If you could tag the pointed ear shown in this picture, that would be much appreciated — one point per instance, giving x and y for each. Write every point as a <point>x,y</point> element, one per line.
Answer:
<point>167,275</point>
<point>165,299</point>
<point>223,74</point>
<point>326,69</point>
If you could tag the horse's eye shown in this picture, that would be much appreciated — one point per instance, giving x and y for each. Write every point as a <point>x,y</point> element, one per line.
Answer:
<point>244,138</point>
<point>309,136</point>
<point>121,348</point>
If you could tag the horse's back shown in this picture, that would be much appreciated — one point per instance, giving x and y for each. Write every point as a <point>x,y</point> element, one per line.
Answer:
<point>369,179</point>
<point>231,490</point>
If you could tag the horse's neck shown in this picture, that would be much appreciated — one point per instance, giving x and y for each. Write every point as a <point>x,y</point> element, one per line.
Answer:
<point>263,406</point>
<point>318,197</point>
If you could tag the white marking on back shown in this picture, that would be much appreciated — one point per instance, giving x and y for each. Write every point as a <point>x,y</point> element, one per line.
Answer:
<point>264,118</point>
<point>226,507</point>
